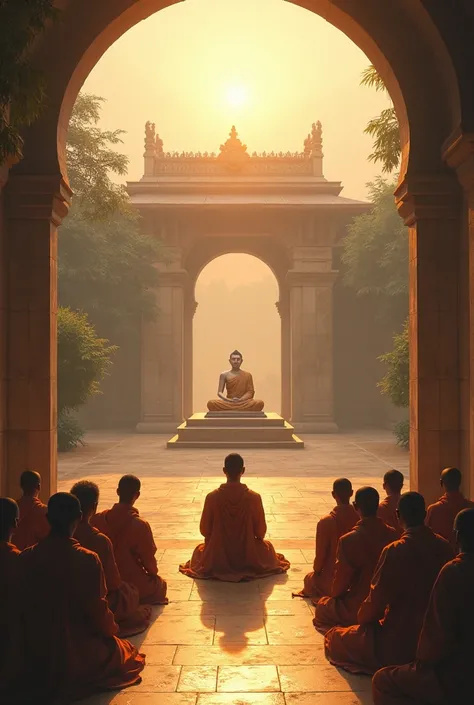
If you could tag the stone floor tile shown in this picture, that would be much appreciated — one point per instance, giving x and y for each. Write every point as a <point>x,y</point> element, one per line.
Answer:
<point>177,629</point>
<point>292,630</point>
<point>328,699</point>
<point>241,699</point>
<point>245,628</point>
<point>156,654</point>
<point>129,698</point>
<point>198,678</point>
<point>279,591</point>
<point>321,679</point>
<point>158,679</point>
<point>242,654</point>
<point>214,590</point>
<point>179,590</point>
<point>247,679</point>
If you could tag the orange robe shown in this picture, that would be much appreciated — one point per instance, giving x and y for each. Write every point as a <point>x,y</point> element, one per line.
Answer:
<point>237,386</point>
<point>234,527</point>
<point>67,646</point>
<point>329,529</point>
<point>388,512</point>
<point>391,617</point>
<point>440,516</point>
<point>123,598</point>
<point>134,550</point>
<point>442,672</point>
<point>33,525</point>
<point>357,555</point>
<point>8,564</point>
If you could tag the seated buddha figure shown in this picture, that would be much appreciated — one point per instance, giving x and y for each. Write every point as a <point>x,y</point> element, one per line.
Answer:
<point>238,385</point>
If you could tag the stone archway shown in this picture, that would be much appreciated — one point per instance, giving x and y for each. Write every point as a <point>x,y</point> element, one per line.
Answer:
<point>425,54</point>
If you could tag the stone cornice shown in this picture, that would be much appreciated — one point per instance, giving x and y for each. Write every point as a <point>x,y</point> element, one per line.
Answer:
<point>178,278</point>
<point>45,197</point>
<point>459,154</point>
<point>427,197</point>
<point>296,277</point>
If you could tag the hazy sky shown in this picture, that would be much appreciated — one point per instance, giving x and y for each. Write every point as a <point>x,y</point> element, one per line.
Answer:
<point>272,69</point>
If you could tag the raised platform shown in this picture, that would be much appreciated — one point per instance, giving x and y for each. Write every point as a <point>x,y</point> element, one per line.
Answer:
<point>236,430</point>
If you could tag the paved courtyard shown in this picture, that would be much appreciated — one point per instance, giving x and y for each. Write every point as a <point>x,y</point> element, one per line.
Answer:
<point>249,643</point>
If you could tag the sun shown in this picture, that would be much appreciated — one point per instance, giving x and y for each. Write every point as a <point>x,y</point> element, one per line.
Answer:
<point>236,95</point>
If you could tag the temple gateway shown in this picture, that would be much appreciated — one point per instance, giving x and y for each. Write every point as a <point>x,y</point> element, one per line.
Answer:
<point>278,207</point>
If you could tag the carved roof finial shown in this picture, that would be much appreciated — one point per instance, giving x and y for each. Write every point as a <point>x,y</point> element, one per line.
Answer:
<point>233,152</point>
<point>317,138</point>
<point>149,138</point>
<point>159,146</point>
<point>307,146</point>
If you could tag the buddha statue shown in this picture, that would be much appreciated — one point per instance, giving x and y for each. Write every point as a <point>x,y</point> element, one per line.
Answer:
<point>239,389</point>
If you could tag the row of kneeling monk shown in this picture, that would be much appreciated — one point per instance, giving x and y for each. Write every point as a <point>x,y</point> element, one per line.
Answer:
<point>390,595</point>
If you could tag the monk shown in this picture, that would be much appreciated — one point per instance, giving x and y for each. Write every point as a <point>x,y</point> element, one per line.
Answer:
<point>391,617</point>
<point>329,529</point>
<point>442,671</point>
<point>133,543</point>
<point>33,525</point>
<point>239,388</point>
<point>357,555</point>
<point>233,525</point>
<point>392,484</point>
<point>9,553</point>
<point>123,598</point>
<point>68,646</point>
<point>441,515</point>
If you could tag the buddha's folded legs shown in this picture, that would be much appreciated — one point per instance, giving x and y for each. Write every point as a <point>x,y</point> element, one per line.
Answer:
<point>248,405</point>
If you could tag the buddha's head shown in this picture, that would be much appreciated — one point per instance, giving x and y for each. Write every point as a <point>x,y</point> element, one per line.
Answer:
<point>236,360</point>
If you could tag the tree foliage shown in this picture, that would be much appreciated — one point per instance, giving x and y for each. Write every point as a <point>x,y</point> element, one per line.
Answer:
<point>83,359</point>
<point>21,84</point>
<point>395,383</point>
<point>384,129</point>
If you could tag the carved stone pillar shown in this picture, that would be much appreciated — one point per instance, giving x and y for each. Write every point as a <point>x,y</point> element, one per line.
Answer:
<point>35,206</point>
<point>430,207</point>
<point>311,350</point>
<point>162,376</point>
<point>283,308</point>
<point>189,311</point>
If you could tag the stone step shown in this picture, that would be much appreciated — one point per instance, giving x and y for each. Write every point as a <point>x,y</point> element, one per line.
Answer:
<point>294,443</point>
<point>214,420</point>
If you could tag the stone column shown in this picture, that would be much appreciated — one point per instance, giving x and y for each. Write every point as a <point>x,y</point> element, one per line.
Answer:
<point>431,208</point>
<point>311,350</point>
<point>162,376</point>
<point>189,311</point>
<point>283,309</point>
<point>35,206</point>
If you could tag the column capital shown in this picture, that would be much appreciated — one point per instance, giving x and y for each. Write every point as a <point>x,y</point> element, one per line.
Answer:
<point>459,154</point>
<point>297,277</point>
<point>177,278</point>
<point>44,197</point>
<point>428,196</point>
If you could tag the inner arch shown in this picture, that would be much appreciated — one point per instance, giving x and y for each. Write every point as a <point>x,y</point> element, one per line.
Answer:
<point>236,296</point>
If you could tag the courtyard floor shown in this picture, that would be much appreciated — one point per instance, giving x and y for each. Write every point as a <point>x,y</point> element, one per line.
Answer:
<point>239,644</point>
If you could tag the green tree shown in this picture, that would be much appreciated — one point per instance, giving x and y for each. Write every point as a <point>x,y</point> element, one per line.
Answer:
<point>21,84</point>
<point>384,129</point>
<point>395,383</point>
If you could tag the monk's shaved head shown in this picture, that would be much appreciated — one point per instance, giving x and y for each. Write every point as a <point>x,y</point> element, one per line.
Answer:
<point>233,466</point>
<point>464,528</point>
<point>451,479</point>
<point>412,509</point>
<point>64,511</point>
<point>393,480</point>
<point>8,517</point>
<point>87,493</point>
<point>128,488</point>
<point>342,489</point>
<point>236,353</point>
<point>367,501</point>
<point>30,482</point>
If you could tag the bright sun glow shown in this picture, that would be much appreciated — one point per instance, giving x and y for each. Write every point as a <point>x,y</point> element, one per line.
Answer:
<point>236,96</point>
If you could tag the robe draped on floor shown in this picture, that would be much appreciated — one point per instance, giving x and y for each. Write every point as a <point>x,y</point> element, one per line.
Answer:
<point>234,527</point>
<point>442,672</point>
<point>357,555</point>
<point>387,511</point>
<point>329,529</point>
<point>440,516</point>
<point>123,598</point>
<point>66,646</point>
<point>33,525</point>
<point>134,550</point>
<point>236,386</point>
<point>391,617</point>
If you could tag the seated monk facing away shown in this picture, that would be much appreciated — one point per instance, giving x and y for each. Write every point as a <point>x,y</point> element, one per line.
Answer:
<point>392,484</point>
<point>238,386</point>
<point>33,525</point>
<point>391,617</point>
<point>441,515</point>
<point>329,529</point>
<point>357,554</point>
<point>8,561</point>
<point>133,543</point>
<point>66,646</point>
<point>442,671</point>
<point>123,598</point>
<point>233,525</point>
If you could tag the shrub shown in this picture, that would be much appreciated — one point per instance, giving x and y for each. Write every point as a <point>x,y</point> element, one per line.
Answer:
<point>70,433</point>
<point>402,433</point>
<point>395,383</point>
